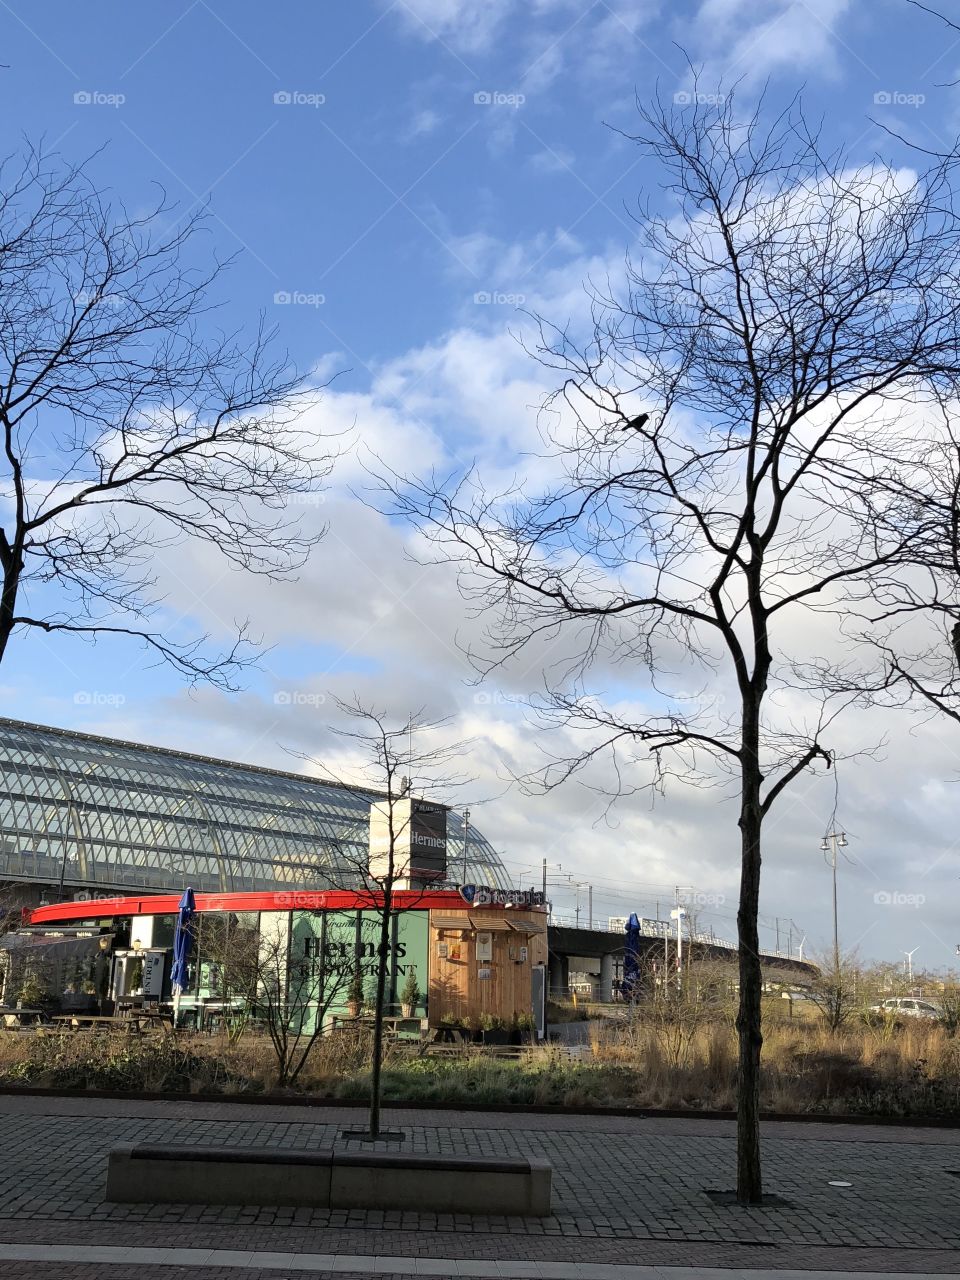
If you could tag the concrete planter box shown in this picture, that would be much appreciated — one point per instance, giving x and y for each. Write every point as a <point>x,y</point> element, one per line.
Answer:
<point>147,1174</point>
<point>495,1035</point>
<point>444,1184</point>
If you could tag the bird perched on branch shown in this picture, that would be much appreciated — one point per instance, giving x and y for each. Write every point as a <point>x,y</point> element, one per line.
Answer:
<point>637,423</point>
<point>955,641</point>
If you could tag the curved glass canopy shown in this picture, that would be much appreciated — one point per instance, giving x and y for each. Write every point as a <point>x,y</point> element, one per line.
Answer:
<point>106,814</point>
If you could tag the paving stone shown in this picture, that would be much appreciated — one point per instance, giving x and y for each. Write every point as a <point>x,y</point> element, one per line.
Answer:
<point>903,1202</point>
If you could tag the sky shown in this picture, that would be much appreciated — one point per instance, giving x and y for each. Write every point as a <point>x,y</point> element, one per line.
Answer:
<point>395,183</point>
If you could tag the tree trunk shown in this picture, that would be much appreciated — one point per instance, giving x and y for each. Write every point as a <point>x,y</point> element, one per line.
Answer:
<point>383,954</point>
<point>9,589</point>
<point>749,1180</point>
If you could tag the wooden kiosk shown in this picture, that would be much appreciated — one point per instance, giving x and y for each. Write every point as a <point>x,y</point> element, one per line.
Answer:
<point>482,962</point>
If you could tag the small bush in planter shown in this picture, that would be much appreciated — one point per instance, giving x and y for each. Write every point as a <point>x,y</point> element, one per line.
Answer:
<point>494,1030</point>
<point>355,995</point>
<point>523,1028</point>
<point>32,993</point>
<point>410,994</point>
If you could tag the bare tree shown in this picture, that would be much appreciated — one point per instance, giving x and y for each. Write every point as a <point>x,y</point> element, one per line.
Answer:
<point>294,994</point>
<point>402,760</point>
<point>839,990</point>
<point>745,446</point>
<point>128,422</point>
<point>677,1012</point>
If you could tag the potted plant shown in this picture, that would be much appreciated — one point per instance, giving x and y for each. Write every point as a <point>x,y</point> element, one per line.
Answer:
<point>355,995</point>
<point>494,1030</point>
<point>32,993</point>
<point>410,995</point>
<point>524,1027</point>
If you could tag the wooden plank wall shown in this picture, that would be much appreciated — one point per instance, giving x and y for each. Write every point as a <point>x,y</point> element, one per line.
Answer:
<point>456,989</point>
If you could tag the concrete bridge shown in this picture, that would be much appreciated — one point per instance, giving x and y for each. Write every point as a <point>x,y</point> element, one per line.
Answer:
<point>597,951</point>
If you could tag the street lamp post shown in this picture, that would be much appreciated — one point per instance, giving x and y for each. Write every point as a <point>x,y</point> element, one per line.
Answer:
<point>582,884</point>
<point>677,914</point>
<point>466,841</point>
<point>830,843</point>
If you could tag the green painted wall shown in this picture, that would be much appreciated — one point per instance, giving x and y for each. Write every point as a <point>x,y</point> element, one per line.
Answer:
<point>335,945</point>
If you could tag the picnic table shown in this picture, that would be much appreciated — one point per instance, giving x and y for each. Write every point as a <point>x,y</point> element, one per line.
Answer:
<point>133,1023</point>
<point>445,1041</point>
<point>395,1026</point>
<point>13,1017</point>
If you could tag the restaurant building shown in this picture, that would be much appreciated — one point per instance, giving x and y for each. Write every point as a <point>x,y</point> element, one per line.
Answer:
<point>99,838</point>
<point>476,963</point>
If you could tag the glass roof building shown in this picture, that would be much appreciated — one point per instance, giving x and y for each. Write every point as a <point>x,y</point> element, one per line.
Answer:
<point>98,813</point>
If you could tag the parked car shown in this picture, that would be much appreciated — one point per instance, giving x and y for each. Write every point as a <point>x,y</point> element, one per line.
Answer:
<point>906,1007</point>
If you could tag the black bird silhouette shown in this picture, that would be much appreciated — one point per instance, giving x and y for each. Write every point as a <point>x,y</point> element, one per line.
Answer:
<point>955,641</point>
<point>637,423</point>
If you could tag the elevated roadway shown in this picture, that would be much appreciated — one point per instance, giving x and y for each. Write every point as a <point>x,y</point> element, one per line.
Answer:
<point>597,951</point>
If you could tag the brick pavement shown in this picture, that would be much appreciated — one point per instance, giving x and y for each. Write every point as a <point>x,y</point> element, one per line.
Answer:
<point>627,1190</point>
<point>96,1271</point>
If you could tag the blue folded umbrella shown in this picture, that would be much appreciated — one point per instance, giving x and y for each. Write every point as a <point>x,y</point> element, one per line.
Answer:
<point>182,942</point>
<point>631,959</point>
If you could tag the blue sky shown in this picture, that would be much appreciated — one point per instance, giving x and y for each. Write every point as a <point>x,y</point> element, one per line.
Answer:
<point>379,198</point>
<point>393,178</point>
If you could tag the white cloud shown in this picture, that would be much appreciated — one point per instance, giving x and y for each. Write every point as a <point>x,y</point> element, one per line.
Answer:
<point>423,123</point>
<point>751,39</point>
<point>467,25</point>
<point>368,616</point>
<point>554,160</point>
<point>549,38</point>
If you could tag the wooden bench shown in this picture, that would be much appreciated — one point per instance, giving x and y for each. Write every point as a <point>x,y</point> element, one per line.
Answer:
<point>133,1023</point>
<point>16,1018</point>
<point>328,1179</point>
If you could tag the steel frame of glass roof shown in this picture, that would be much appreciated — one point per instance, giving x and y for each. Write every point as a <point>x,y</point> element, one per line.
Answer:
<point>109,814</point>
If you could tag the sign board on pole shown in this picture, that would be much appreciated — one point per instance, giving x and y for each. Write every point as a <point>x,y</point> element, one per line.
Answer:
<point>417,830</point>
<point>153,965</point>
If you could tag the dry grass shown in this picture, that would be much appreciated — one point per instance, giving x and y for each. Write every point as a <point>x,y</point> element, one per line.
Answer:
<point>638,1062</point>
<point>902,1071</point>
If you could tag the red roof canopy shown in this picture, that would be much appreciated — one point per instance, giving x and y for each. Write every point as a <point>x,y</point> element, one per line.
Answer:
<point>166,904</point>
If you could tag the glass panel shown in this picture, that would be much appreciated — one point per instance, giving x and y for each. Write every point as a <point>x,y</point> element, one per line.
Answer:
<point>151,818</point>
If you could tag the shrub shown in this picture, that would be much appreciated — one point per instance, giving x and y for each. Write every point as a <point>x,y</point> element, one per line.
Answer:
<point>73,1060</point>
<point>410,993</point>
<point>355,990</point>
<point>909,1071</point>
